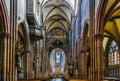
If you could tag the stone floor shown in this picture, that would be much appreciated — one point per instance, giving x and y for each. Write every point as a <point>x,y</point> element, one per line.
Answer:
<point>57,79</point>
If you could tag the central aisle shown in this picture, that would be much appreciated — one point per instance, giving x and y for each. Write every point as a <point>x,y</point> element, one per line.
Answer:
<point>58,79</point>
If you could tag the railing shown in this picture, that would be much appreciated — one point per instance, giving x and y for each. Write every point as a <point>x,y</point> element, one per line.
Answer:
<point>112,71</point>
<point>111,79</point>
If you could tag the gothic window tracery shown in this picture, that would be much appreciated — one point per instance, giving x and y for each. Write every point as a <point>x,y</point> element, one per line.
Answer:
<point>113,60</point>
<point>113,55</point>
<point>58,58</point>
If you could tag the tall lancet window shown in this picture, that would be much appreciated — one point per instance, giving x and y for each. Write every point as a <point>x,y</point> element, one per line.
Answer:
<point>113,55</point>
<point>58,58</point>
<point>112,69</point>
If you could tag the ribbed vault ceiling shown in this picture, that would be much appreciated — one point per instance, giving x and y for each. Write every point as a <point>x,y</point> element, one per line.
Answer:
<point>57,15</point>
<point>112,27</point>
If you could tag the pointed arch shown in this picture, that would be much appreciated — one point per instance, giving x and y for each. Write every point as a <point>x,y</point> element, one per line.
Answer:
<point>4,40</point>
<point>4,17</point>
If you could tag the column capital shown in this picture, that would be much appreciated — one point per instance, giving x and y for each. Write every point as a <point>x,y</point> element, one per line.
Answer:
<point>5,35</point>
<point>99,36</point>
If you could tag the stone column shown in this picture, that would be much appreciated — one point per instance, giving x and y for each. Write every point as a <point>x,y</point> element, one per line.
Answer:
<point>82,65</point>
<point>8,56</point>
<point>92,70</point>
<point>27,64</point>
<point>13,32</point>
<point>99,56</point>
<point>96,59</point>
<point>4,56</point>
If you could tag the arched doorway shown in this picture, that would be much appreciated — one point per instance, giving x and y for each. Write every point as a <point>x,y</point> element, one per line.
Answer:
<point>57,62</point>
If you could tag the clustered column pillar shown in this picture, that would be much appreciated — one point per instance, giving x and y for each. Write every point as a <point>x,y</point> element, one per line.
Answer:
<point>92,70</point>
<point>99,56</point>
<point>4,56</point>
<point>96,48</point>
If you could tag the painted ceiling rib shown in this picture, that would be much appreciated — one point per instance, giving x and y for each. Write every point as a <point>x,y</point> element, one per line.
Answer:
<point>113,38</point>
<point>110,34</point>
<point>60,5</point>
<point>66,3</point>
<point>111,8</point>
<point>115,17</point>
<point>51,19</point>
<point>53,23</point>
<point>56,15</point>
<point>112,18</point>
<point>57,27</point>
<point>49,13</point>
<point>108,37</point>
<point>44,3</point>
<point>69,5</point>
<point>115,10</point>
<point>64,13</point>
<point>56,18</point>
<point>117,29</point>
<point>54,9</point>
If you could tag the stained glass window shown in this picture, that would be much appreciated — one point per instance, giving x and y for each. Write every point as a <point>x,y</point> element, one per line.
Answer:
<point>113,56</point>
<point>112,70</point>
<point>58,58</point>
